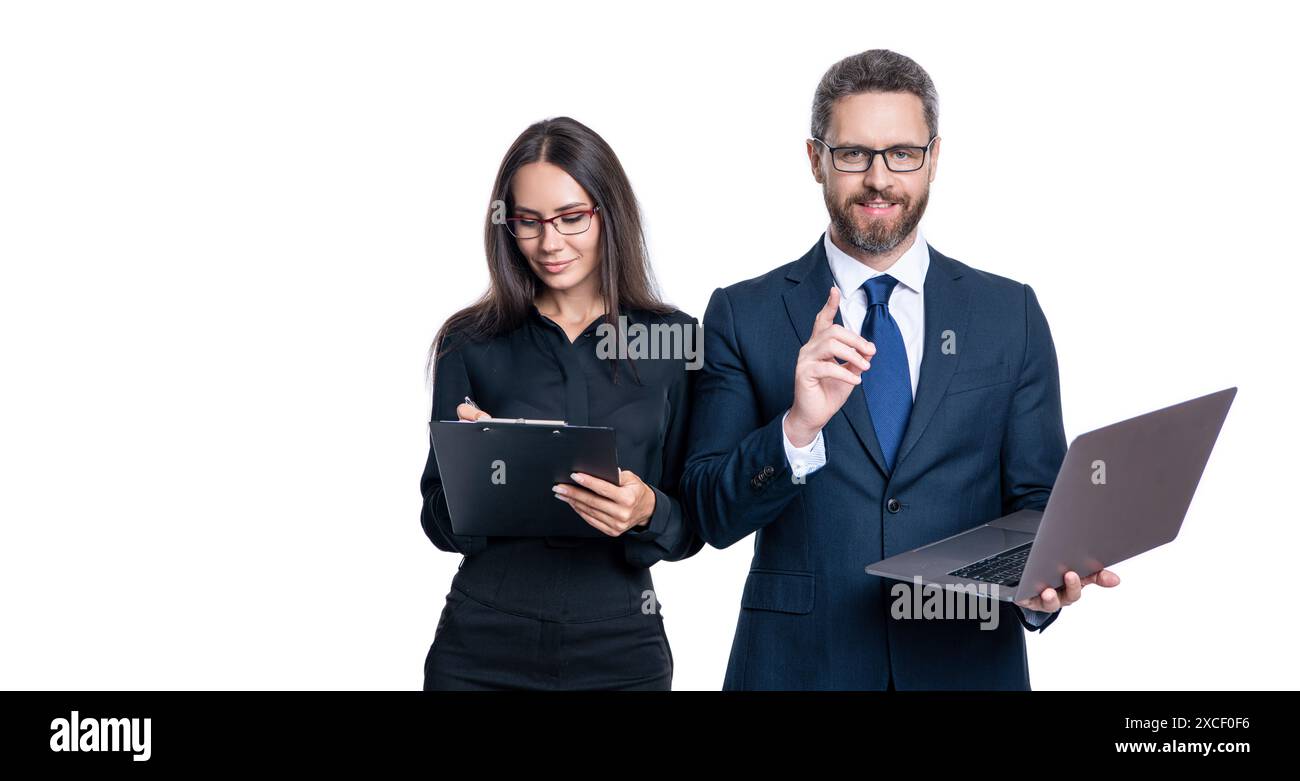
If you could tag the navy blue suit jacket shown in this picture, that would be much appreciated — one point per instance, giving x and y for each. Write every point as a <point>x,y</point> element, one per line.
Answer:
<point>985,438</point>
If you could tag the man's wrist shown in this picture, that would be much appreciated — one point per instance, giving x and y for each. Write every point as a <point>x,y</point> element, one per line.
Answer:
<point>800,434</point>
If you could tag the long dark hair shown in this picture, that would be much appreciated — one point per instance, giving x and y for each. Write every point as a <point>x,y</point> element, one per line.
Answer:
<point>626,281</point>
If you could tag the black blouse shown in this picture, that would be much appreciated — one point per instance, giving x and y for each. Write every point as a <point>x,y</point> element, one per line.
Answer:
<point>536,372</point>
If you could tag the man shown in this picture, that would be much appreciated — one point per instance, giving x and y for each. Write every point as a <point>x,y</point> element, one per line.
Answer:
<point>871,397</point>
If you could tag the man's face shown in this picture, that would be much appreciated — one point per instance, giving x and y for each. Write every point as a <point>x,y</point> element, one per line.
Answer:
<point>875,210</point>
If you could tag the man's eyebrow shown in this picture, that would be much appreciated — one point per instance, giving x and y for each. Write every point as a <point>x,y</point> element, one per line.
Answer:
<point>564,208</point>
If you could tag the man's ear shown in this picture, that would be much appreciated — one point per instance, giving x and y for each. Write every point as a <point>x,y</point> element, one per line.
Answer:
<point>934,158</point>
<point>814,159</point>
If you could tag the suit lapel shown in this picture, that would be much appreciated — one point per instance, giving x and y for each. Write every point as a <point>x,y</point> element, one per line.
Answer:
<point>947,308</point>
<point>802,302</point>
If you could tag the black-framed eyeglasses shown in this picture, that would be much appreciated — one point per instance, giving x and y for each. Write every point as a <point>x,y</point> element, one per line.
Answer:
<point>856,159</point>
<point>568,223</point>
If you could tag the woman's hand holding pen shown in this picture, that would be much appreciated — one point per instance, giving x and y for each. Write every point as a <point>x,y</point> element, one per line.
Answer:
<point>470,411</point>
<point>613,509</point>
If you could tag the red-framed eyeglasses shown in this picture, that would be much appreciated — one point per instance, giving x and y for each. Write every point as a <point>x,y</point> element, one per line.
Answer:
<point>569,223</point>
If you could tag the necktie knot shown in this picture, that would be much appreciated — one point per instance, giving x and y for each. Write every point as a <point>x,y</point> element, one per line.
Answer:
<point>878,289</point>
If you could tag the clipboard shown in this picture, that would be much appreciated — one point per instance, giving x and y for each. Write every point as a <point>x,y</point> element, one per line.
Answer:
<point>497,474</point>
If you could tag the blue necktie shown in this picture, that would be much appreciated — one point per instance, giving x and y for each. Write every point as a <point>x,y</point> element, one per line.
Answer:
<point>887,384</point>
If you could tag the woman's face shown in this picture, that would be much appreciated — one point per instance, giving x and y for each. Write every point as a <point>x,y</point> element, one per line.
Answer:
<point>561,261</point>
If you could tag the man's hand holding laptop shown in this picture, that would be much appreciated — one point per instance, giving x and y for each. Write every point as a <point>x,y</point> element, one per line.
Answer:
<point>1053,599</point>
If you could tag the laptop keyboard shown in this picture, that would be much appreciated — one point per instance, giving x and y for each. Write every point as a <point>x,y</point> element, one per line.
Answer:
<point>1003,569</point>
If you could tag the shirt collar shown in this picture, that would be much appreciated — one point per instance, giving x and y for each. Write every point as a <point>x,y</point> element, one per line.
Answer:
<point>909,269</point>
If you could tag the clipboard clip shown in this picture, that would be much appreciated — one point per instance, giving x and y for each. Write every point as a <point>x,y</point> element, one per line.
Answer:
<point>528,421</point>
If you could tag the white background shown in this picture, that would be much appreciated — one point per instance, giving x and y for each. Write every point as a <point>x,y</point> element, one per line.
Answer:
<point>229,231</point>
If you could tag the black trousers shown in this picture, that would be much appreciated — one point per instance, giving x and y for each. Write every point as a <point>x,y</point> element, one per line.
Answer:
<point>477,646</point>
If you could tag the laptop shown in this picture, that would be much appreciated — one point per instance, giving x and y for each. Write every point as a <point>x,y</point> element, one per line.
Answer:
<point>1122,490</point>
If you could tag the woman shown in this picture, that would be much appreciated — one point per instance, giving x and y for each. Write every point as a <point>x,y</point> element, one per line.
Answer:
<point>566,256</point>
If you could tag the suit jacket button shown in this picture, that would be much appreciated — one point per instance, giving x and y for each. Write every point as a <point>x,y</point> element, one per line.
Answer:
<point>893,505</point>
<point>768,470</point>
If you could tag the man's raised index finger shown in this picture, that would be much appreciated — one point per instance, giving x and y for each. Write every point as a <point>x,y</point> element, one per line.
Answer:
<point>826,317</point>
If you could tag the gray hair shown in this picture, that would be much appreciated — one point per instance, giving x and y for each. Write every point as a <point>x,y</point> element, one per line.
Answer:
<point>875,70</point>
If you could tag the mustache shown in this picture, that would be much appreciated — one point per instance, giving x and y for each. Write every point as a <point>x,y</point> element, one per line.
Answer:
<point>873,196</point>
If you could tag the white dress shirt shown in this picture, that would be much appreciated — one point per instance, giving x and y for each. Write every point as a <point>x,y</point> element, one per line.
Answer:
<point>906,306</point>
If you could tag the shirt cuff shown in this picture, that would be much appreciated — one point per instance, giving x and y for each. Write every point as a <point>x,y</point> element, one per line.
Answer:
<point>1035,617</point>
<point>807,459</point>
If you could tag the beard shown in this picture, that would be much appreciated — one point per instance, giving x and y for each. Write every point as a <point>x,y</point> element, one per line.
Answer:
<point>874,235</point>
